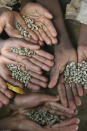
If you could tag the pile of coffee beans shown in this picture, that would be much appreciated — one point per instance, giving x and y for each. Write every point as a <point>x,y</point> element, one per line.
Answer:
<point>18,74</point>
<point>43,117</point>
<point>23,51</point>
<point>76,73</point>
<point>23,31</point>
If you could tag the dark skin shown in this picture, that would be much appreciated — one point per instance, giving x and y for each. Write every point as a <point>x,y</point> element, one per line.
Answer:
<point>20,123</point>
<point>64,53</point>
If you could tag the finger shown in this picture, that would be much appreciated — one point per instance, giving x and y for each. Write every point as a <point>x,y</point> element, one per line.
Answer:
<point>20,43</point>
<point>44,36</point>
<point>39,82</point>
<point>79,89</point>
<point>37,76</point>
<point>4,99</point>
<point>31,66</point>
<point>24,60</point>
<point>44,54</point>
<point>4,90</point>
<point>41,43</point>
<point>69,128</point>
<point>75,94</point>
<point>62,94</point>
<point>40,64</point>
<point>20,20</point>
<point>61,114</point>
<point>70,97</point>
<point>44,60</point>
<point>59,107</point>
<point>54,76</point>
<point>1,104</point>
<point>50,26</point>
<point>39,35</point>
<point>68,122</point>
<point>53,39</point>
<point>33,86</point>
<point>14,82</point>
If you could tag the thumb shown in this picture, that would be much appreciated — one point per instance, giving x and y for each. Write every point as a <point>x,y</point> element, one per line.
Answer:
<point>54,77</point>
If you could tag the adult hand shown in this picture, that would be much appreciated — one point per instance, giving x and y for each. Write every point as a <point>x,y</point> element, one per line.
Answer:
<point>35,82</point>
<point>42,17</point>
<point>41,59</point>
<point>19,122</point>
<point>65,53</point>
<point>8,21</point>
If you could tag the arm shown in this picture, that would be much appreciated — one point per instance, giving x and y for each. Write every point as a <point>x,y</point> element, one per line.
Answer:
<point>64,53</point>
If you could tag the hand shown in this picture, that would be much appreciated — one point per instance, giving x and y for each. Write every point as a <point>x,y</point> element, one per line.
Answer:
<point>35,82</point>
<point>8,21</point>
<point>34,100</point>
<point>41,16</point>
<point>41,59</point>
<point>5,94</point>
<point>19,122</point>
<point>65,53</point>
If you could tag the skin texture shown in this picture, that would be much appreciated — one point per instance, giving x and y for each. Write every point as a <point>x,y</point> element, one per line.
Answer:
<point>42,16</point>
<point>20,123</point>
<point>64,53</point>
<point>35,82</point>
<point>8,20</point>
<point>41,59</point>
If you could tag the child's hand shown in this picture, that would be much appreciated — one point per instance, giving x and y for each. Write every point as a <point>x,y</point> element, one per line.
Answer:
<point>42,17</point>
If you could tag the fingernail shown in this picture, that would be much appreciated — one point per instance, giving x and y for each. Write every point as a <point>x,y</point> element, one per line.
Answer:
<point>77,128</point>
<point>78,121</point>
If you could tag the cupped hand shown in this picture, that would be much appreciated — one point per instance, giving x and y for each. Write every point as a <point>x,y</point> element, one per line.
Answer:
<point>42,17</point>
<point>34,100</point>
<point>35,82</point>
<point>40,60</point>
<point>70,97</point>
<point>20,123</point>
<point>8,22</point>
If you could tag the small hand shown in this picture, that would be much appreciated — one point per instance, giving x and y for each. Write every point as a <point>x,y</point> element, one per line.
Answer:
<point>42,17</point>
